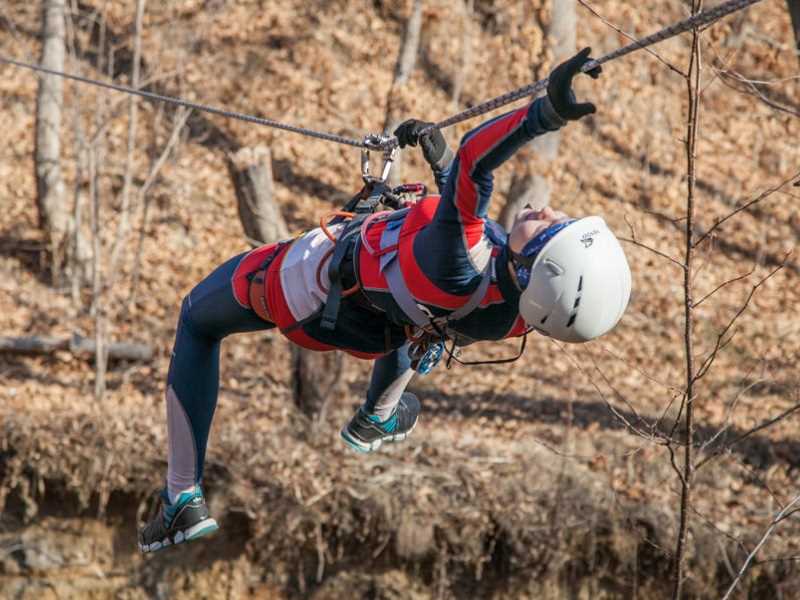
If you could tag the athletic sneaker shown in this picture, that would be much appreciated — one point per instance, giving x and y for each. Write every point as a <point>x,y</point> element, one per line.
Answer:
<point>366,432</point>
<point>185,520</point>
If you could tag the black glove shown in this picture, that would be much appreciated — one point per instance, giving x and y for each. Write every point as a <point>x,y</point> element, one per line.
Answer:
<point>559,87</point>
<point>434,147</point>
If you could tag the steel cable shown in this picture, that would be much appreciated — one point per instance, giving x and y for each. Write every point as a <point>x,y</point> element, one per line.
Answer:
<point>331,137</point>
<point>704,18</point>
<point>372,142</point>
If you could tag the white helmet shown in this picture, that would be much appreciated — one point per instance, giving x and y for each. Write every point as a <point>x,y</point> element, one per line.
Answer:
<point>580,283</point>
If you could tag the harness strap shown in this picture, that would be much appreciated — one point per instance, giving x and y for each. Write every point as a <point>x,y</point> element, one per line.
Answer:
<point>390,265</point>
<point>347,237</point>
<point>363,207</point>
<point>476,297</point>
<point>380,217</point>
<point>257,283</point>
<point>403,297</point>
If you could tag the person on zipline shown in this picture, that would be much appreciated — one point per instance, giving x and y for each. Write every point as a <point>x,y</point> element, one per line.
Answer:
<point>439,268</point>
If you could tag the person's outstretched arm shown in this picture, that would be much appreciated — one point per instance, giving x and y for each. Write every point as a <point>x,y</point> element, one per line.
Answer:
<point>453,250</point>
<point>465,199</point>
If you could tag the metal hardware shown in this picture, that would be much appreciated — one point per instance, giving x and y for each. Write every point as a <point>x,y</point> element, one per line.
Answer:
<point>379,143</point>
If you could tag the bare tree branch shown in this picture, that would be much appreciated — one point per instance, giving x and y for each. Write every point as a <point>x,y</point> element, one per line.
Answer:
<point>653,250</point>
<point>133,118</point>
<point>746,205</point>
<point>628,425</point>
<point>724,284</point>
<point>687,478</point>
<point>720,344</point>
<point>633,240</point>
<point>729,412</point>
<point>630,365</point>
<point>751,88</point>
<point>632,38</point>
<point>180,119</point>
<point>780,516</point>
<point>747,434</point>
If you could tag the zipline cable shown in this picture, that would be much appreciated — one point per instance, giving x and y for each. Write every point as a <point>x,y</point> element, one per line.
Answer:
<point>703,18</point>
<point>387,143</point>
<point>331,137</point>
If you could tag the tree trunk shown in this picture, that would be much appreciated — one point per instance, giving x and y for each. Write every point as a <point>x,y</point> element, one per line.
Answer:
<point>316,380</point>
<point>527,188</point>
<point>54,216</point>
<point>467,38</point>
<point>406,60</point>
<point>251,171</point>
<point>316,376</point>
<point>561,36</point>
<point>77,345</point>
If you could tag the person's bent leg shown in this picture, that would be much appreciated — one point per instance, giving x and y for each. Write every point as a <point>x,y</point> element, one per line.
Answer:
<point>390,413</point>
<point>390,376</point>
<point>208,314</point>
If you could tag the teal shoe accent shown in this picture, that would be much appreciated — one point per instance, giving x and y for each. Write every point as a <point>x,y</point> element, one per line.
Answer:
<point>388,426</point>
<point>170,510</point>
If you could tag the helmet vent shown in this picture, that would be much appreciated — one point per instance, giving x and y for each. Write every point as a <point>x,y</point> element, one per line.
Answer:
<point>577,302</point>
<point>543,320</point>
<point>580,283</point>
<point>572,319</point>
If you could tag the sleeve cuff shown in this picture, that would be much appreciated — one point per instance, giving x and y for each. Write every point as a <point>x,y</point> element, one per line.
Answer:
<point>444,161</point>
<point>550,119</point>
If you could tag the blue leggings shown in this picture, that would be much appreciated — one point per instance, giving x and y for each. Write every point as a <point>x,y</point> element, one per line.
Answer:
<point>209,313</point>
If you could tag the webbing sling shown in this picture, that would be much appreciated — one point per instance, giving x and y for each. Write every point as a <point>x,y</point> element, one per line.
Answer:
<point>390,266</point>
<point>332,303</point>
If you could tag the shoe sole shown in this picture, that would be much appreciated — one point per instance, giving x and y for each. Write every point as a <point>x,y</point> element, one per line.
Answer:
<point>365,447</point>
<point>198,530</point>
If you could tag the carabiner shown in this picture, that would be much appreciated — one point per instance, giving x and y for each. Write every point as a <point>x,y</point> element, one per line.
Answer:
<point>377,142</point>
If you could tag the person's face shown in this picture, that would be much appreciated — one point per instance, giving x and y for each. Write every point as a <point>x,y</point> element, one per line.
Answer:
<point>529,222</point>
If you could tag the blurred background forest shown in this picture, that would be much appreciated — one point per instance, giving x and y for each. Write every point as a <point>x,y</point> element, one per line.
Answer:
<point>559,476</point>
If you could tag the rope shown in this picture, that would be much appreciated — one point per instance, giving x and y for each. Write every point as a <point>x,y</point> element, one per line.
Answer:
<point>372,143</point>
<point>703,18</point>
<point>331,137</point>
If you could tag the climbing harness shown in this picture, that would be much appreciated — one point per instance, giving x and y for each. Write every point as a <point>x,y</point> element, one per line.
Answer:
<point>368,205</point>
<point>376,142</point>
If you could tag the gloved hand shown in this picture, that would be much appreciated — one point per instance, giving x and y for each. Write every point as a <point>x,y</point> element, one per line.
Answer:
<point>433,144</point>
<point>559,87</point>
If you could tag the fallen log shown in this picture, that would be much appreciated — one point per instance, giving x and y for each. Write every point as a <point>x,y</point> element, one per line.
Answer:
<point>75,344</point>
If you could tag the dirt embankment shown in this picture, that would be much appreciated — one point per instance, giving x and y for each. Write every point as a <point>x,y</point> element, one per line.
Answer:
<point>520,482</point>
<point>504,523</point>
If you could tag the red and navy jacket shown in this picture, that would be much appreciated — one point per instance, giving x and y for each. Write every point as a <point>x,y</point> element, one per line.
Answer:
<point>444,247</point>
<point>446,241</point>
